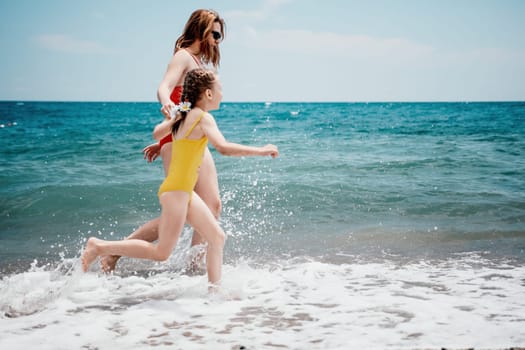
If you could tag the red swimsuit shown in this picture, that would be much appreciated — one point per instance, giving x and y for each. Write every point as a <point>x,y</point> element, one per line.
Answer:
<point>175,98</point>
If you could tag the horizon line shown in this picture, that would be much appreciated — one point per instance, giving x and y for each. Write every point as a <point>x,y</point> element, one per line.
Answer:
<point>270,102</point>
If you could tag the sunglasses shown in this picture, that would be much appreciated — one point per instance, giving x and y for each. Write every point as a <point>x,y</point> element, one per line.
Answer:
<point>216,35</point>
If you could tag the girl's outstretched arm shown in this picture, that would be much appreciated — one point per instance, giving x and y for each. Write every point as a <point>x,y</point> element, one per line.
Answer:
<point>219,142</point>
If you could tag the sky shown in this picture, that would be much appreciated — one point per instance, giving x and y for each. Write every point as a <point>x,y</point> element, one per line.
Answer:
<point>274,50</point>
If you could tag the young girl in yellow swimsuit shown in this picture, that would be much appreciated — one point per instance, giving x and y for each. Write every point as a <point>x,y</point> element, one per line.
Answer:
<point>192,128</point>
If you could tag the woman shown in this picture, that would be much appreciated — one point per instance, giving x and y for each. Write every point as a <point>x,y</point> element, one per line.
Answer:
<point>192,127</point>
<point>197,46</point>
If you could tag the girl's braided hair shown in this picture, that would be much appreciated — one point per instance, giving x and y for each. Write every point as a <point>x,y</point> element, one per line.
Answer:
<point>196,82</point>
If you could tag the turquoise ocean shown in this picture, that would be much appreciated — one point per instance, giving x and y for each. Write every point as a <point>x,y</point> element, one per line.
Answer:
<point>381,225</point>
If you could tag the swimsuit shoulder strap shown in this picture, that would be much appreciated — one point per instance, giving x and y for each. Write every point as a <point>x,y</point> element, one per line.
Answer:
<point>194,124</point>
<point>198,61</point>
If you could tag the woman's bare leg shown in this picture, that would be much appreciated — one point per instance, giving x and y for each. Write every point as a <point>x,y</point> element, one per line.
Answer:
<point>201,218</point>
<point>165,154</point>
<point>172,219</point>
<point>207,188</point>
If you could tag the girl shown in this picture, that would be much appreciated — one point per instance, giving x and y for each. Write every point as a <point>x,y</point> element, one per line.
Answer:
<point>192,128</point>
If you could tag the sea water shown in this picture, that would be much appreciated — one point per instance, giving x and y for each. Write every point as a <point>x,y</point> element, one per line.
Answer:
<point>381,225</point>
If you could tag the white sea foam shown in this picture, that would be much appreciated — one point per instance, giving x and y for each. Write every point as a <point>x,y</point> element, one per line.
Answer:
<point>295,304</point>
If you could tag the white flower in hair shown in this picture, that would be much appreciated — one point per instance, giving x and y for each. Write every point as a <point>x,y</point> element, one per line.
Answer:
<point>185,106</point>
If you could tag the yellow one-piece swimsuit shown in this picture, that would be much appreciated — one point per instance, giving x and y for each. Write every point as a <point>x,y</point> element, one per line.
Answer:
<point>186,158</point>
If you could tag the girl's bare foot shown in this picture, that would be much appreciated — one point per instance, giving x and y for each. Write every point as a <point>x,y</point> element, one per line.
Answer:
<point>108,263</point>
<point>90,253</point>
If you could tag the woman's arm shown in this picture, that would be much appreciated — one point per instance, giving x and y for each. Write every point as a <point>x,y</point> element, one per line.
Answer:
<point>179,64</point>
<point>216,138</point>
